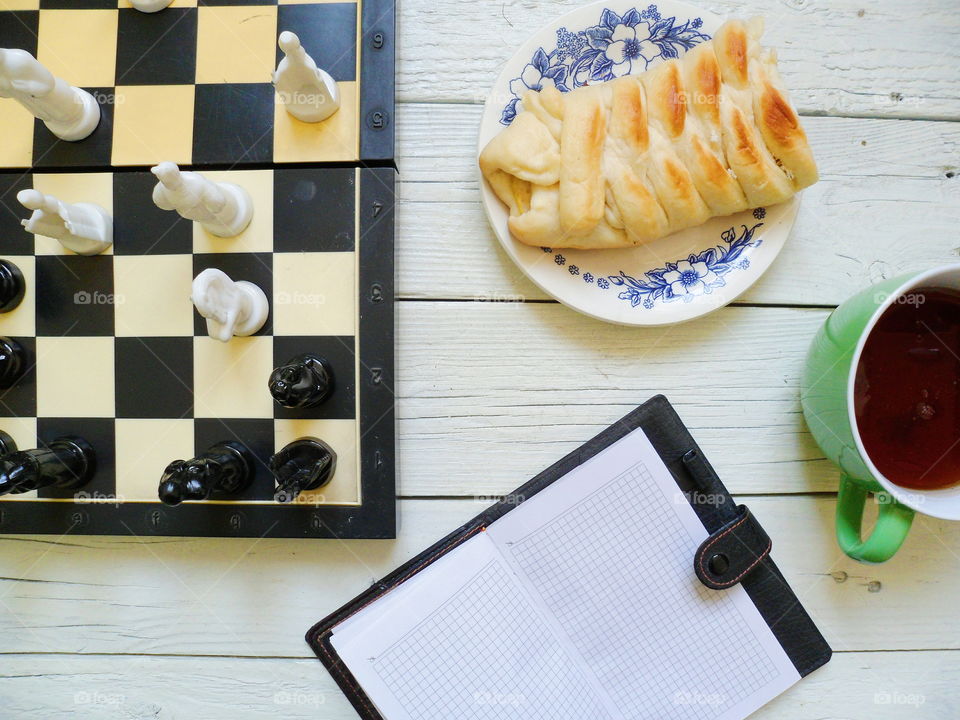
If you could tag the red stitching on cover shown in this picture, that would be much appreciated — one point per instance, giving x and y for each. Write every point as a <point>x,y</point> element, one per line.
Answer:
<point>713,541</point>
<point>751,566</point>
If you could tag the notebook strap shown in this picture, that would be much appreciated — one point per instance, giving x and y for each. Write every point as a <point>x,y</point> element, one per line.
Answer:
<point>732,552</point>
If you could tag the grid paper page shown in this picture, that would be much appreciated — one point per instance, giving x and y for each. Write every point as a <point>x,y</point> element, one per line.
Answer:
<point>609,551</point>
<point>465,642</point>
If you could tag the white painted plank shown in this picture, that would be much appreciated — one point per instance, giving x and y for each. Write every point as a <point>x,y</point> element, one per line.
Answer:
<point>885,205</point>
<point>881,686</point>
<point>167,688</point>
<point>257,598</point>
<point>844,57</point>
<point>492,393</point>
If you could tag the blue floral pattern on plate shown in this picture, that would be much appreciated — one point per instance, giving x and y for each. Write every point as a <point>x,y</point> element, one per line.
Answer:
<point>617,45</point>
<point>699,274</point>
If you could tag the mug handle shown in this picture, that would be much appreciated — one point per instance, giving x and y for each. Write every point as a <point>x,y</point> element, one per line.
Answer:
<point>893,524</point>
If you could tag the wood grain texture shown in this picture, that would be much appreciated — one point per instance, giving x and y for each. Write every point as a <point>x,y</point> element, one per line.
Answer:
<point>846,57</point>
<point>257,598</point>
<point>888,202</point>
<point>879,686</point>
<point>489,393</point>
<point>481,417</point>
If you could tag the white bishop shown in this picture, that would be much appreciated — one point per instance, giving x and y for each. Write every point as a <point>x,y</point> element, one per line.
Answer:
<point>307,92</point>
<point>224,209</point>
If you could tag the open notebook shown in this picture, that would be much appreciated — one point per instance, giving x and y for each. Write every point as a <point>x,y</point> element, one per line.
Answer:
<point>579,603</point>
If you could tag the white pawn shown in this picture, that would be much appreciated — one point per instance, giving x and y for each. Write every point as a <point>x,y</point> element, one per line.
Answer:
<point>231,308</point>
<point>308,93</point>
<point>68,112</point>
<point>150,6</point>
<point>224,209</point>
<point>84,228</point>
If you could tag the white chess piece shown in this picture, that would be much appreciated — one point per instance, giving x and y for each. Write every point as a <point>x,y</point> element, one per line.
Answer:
<point>308,92</point>
<point>68,112</point>
<point>231,308</point>
<point>84,228</point>
<point>224,209</point>
<point>150,6</point>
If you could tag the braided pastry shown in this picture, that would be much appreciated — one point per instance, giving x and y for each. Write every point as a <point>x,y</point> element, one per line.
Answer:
<point>631,160</point>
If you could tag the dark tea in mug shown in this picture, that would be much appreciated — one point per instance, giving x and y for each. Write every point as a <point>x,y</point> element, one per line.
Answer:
<point>907,390</point>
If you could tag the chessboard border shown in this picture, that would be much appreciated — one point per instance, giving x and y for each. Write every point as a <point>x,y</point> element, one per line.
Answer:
<point>375,516</point>
<point>377,60</point>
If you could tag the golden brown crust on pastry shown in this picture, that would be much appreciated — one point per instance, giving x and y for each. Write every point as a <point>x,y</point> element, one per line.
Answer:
<point>703,83</point>
<point>637,158</point>
<point>730,43</point>
<point>581,151</point>
<point>667,97</point>
<point>635,206</point>
<point>762,180</point>
<point>780,125</point>
<point>628,114</point>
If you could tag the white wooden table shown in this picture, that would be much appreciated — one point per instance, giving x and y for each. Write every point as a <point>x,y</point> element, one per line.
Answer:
<point>491,392</point>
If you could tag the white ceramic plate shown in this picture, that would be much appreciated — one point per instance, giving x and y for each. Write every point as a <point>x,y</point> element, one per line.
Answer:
<point>679,277</point>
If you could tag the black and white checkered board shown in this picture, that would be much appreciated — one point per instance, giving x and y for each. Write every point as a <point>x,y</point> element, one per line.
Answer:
<point>192,84</point>
<point>120,357</point>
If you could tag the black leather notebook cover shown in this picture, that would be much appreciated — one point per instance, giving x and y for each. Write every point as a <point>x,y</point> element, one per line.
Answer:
<point>736,551</point>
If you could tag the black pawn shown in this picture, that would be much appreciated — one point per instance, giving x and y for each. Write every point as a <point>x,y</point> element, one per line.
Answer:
<point>304,464</point>
<point>67,462</point>
<point>13,362</point>
<point>12,286</point>
<point>301,382</point>
<point>225,469</point>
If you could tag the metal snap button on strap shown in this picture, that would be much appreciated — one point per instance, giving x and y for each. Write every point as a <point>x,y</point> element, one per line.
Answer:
<point>732,552</point>
<point>718,564</point>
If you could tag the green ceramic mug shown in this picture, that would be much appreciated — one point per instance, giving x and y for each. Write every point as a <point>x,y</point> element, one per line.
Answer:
<point>827,397</point>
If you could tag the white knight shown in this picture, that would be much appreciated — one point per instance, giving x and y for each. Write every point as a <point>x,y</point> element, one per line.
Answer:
<point>231,308</point>
<point>307,92</point>
<point>224,209</point>
<point>68,112</point>
<point>84,228</point>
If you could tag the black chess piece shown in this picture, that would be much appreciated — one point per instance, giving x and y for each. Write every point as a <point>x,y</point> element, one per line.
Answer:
<point>67,462</point>
<point>301,382</point>
<point>304,464</point>
<point>12,286</point>
<point>13,362</point>
<point>224,469</point>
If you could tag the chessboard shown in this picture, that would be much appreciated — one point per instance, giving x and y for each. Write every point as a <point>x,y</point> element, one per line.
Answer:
<point>192,84</point>
<point>119,357</point>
